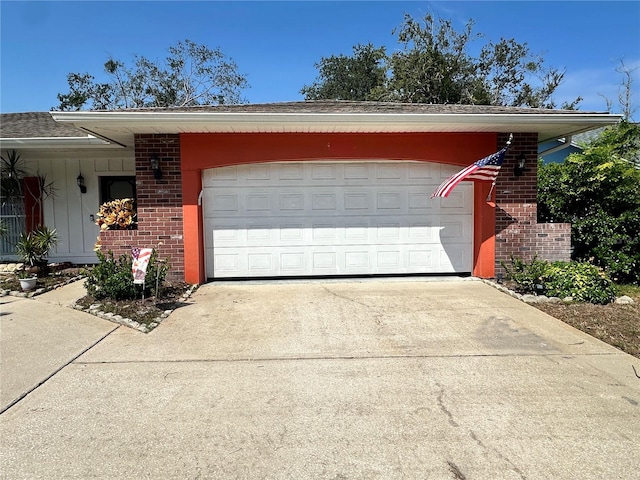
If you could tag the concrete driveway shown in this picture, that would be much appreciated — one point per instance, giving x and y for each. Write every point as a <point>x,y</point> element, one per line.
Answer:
<point>335,380</point>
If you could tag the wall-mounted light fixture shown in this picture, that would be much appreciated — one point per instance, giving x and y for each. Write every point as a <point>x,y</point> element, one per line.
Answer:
<point>519,169</point>
<point>155,166</point>
<point>80,182</point>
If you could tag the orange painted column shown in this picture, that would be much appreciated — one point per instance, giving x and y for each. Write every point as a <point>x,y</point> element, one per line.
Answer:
<point>484,227</point>
<point>194,254</point>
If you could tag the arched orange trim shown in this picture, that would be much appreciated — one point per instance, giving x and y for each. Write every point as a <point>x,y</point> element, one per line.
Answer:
<point>200,151</point>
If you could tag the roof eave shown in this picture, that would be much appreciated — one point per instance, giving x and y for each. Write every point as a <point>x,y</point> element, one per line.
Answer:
<point>222,122</point>
<point>52,142</point>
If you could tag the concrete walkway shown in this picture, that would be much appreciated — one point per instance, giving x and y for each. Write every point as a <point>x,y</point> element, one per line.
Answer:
<point>360,380</point>
<point>39,336</point>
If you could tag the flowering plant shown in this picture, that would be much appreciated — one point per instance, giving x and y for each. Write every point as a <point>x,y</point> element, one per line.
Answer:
<point>117,215</point>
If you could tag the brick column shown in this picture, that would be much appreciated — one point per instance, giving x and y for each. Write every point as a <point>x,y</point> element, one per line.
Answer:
<point>159,205</point>
<point>517,230</point>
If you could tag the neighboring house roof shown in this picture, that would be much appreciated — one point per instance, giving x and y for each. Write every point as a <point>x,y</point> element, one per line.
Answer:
<point>331,116</point>
<point>556,151</point>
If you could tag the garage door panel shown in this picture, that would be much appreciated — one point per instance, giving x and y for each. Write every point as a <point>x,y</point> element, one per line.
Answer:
<point>459,200</point>
<point>454,257</point>
<point>294,219</point>
<point>357,202</point>
<point>334,260</point>
<point>225,203</point>
<point>350,201</point>
<point>419,202</point>
<point>422,172</point>
<point>258,202</point>
<point>327,173</point>
<point>341,231</point>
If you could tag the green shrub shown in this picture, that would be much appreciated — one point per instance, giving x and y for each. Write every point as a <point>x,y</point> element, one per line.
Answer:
<point>598,192</point>
<point>529,277</point>
<point>581,280</point>
<point>112,278</point>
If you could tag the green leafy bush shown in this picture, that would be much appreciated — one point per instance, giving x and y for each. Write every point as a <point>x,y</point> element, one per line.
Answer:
<point>113,278</point>
<point>598,192</point>
<point>529,277</point>
<point>581,280</point>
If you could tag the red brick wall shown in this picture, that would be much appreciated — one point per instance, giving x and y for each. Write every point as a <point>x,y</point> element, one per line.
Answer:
<point>159,205</point>
<point>517,231</point>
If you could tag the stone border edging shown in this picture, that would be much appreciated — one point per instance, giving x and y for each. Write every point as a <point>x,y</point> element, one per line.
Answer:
<point>531,299</point>
<point>127,322</point>
<point>41,290</point>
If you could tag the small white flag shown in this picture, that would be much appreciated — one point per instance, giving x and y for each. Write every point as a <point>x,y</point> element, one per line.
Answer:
<point>141,258</point>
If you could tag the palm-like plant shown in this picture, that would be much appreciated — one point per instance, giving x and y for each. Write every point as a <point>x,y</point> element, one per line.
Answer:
<point>33,247</point>
<point>12,174</point>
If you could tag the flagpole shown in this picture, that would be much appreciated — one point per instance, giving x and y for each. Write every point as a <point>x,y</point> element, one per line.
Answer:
<point>493,184</point>
<point>485,169</point>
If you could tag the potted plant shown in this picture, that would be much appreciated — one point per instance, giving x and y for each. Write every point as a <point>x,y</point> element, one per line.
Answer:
<point>33,248</point>
<point>27,280</point>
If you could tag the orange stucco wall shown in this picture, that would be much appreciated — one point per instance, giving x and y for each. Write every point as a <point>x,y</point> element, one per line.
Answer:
<point>199,152</point>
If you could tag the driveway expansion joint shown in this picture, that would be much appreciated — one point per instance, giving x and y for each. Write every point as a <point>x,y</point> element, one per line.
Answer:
<point>56,371</point>
<point>342,358</point>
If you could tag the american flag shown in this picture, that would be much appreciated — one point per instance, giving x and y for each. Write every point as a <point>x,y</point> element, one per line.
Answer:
<point>486,169</point>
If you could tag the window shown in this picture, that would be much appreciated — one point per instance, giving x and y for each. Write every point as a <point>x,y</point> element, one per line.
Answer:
<point>112,188</point>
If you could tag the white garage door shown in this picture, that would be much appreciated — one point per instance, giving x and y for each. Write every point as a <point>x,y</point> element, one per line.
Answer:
<point>333,218</point>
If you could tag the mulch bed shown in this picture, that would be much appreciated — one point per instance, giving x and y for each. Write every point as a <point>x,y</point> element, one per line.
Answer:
<point>142,314</point>
<point>60,275</point>
<point>617,325</point>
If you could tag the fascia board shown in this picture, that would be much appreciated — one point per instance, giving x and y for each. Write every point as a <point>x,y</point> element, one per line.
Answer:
<point>52,142</point>
<point>180,122</point>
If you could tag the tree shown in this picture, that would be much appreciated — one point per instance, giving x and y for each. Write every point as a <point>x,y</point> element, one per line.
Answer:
<point>624,92</point>
<point>191,74</point>
<point>348,78</point>
<point>513,76</point>
<point>598,191</point>
<point>434,65</point>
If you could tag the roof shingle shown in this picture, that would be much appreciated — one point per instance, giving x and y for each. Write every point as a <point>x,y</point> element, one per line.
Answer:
<point>35,125</point>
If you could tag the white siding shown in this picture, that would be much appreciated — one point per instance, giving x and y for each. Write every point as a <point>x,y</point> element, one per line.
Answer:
<point>69,211</point>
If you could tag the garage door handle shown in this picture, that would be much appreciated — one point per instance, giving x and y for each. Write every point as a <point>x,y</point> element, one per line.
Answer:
<point>200,197</point>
